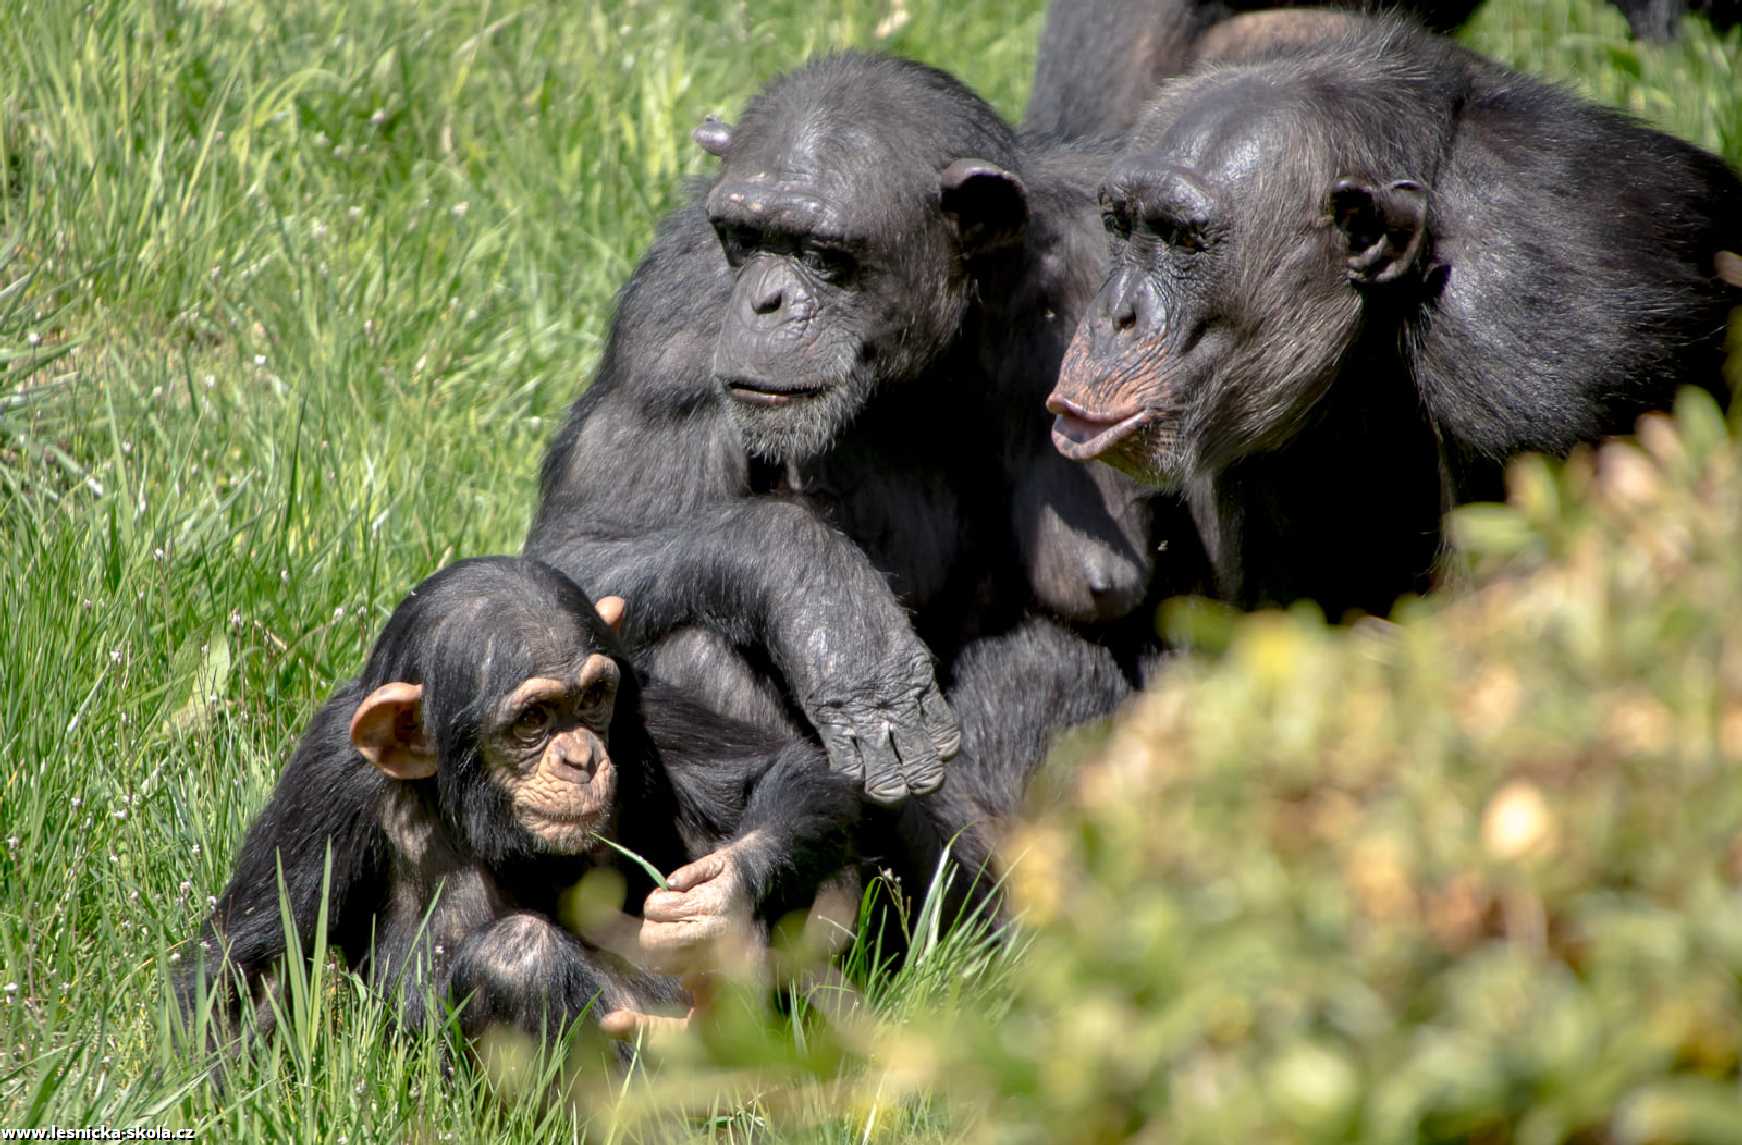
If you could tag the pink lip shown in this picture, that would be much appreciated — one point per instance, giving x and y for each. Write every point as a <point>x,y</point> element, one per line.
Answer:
<point>1083,434</point>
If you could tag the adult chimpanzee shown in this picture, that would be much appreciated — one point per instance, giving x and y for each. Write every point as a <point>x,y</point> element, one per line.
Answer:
<point>465,781</point>
<point>816,413</point>
<point>1350,282</point>
<point>1102,61</point>
<point>1661,19</point>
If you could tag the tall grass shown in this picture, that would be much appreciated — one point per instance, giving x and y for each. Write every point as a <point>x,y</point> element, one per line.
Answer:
<point>290,297</point>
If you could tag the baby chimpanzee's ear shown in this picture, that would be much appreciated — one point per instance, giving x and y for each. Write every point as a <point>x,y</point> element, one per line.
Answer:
<point>612,610</point>
<point>388,732</point>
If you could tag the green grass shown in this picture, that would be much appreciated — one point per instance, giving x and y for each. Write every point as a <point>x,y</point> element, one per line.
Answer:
<point>290,297</point>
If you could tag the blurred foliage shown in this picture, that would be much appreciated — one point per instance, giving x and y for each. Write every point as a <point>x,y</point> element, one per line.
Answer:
<point>1476,875</point>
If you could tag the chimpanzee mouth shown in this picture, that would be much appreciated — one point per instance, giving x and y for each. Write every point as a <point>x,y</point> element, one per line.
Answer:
<point>1083,435</point>
<point>757,393</point>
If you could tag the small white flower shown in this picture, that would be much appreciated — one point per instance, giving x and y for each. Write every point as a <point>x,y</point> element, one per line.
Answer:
<point>354,213</point>
<point>196,850</point>
<point>378,116</point>
<point>235,618</point>
<point>174,957</point>
<point>210,381</point>
<point>260,359</point>
<point>33,338</point>
<point>284,576</point>
<point>157,555</point>
<point>211,902</point>
<point>459,209</point>
<point>217,271</point>
<point>72,725</point>
<point>184,888</point>
<point>319,231</point>
<point>121,813</point>
<point>12,987</point>
<point>77,803</point>
<point>339,613</point>
<point>126,447</point>
<point>12,842</point>
<point>115,653</point>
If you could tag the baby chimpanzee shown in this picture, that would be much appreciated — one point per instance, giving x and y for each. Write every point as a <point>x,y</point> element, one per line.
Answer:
<point>469,777</point>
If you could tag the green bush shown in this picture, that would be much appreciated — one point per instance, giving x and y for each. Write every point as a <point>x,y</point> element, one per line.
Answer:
<point>1476,875</point>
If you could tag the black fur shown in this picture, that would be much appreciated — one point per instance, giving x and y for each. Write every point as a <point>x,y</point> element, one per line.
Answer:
<point>689,782</point>
<point>1102,61</point>
<point>1350,282</point>
<point>838,544</point>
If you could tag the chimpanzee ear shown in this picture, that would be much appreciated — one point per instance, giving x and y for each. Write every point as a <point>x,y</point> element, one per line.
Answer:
<point>988,205</point>
<point>713,136</point>
<point>612,610</point>
<point>1384,228</point>
<point>387,730</point>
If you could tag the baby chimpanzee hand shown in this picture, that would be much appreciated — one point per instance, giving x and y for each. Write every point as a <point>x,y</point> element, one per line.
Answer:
<point>704,922</point>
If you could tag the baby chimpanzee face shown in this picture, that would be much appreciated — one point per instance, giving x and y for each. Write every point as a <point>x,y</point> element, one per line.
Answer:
<point>494,679</point>
<point>545,745</point>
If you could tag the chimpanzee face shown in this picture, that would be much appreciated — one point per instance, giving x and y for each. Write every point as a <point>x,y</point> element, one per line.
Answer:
<point>544,745</point>
<point>504,698</point>
<point>852,263</point>
<point>1232,298</point>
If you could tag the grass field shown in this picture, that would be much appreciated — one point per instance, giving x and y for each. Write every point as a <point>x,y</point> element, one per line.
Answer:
<point>290,297</point>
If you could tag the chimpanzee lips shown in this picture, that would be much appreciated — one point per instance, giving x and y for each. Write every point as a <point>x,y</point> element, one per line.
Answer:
<point>1083,435</point>
<point>753,392</point>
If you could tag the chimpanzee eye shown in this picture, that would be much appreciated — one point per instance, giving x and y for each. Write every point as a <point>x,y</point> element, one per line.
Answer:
<point>597,695</point>
<point>532,723</point>
<point>832,263</point>
<point>738,241</point>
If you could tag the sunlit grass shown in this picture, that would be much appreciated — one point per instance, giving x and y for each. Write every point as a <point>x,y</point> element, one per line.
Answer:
<point>290,297</point>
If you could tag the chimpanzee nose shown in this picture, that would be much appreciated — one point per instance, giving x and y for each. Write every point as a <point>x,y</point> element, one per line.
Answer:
<point>576,753</point>
<point>768,298</point>
<point>1124,315</point>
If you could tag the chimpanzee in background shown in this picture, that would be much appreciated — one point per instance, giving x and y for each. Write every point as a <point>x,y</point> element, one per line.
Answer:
<point>1101,61</point>
<point>823,386</point>
<point>463,783</point>
<point>1661,19</point>
<point>1350,282</point>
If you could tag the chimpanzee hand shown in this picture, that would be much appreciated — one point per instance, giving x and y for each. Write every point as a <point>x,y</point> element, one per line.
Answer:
<point>889,726</point>
<point>706,920</point>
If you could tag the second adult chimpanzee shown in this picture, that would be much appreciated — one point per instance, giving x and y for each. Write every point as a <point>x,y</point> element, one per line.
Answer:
<point>1102,61</point>
<point>801,453</point>
<point>1350,282</point>
<point>468,778</point>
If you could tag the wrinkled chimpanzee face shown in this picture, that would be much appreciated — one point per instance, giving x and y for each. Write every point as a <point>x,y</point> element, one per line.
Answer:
<point>544,745</point>
<point>509,712</point>
<point>1239,258</point>
<point>851,264</point>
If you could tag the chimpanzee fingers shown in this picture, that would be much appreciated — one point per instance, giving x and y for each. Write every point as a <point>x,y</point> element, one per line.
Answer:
<point>884,782</point>
<point>920,764</point>
<point>679,947</point>
<point>626,1024</point>
<point>691,875</point>
<point>843,748</point>
<point>941,723</point>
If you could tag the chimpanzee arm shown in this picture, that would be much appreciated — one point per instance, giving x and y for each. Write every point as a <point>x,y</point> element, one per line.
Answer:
<point>645,495</point>
<point>326,798</point>
<point>762,822</point>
